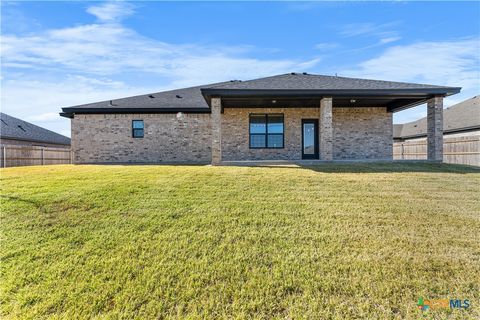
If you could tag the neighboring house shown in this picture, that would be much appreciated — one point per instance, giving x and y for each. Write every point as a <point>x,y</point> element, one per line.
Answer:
<point>14,131</point>
<point>285,117</point>
<point>459,120</point>
<point>461,135</point>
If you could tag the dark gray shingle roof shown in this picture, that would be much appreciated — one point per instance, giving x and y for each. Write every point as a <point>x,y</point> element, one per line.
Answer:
<point>462,116</point>
<point>14,128</point>
<point>304,81</point>
<point>175,100</point>
<point>194,99</point>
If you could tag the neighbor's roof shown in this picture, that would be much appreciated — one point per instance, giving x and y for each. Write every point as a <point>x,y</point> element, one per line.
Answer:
<point>197,99</point>
<point>14,128</point>
<point>459,117</point>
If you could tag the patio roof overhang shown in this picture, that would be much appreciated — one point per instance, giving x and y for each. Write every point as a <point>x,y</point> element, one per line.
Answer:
<point>394,99</point>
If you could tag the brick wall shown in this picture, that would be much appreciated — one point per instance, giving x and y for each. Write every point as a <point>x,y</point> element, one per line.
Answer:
<point>235,134</point>
<point>359,133</point>
<point>362,133</point>
<point>108,138</point>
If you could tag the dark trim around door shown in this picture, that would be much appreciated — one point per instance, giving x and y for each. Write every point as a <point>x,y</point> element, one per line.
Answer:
<point>315,154</point>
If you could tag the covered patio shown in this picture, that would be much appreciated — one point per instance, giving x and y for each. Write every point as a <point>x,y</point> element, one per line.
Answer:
<point>325,94</point>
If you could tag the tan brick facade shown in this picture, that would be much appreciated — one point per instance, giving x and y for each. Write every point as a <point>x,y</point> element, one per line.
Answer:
<point>108,138</point>
<point>326,129</point>
<point>358,133</point>
<point>435,129</point>
<point>362,133</point>
<point>216,119</point>
<point>235,128</point>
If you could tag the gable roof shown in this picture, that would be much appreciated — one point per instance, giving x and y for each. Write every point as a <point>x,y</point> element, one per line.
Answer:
<point>296,85</point>
<point>14,128</point>
<point>459,117</point>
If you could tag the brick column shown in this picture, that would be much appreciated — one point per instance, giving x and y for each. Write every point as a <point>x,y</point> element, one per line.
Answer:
<point>435,129</point>
<point>73,140</point>
<point>216,118</point>
<point>326,129</point>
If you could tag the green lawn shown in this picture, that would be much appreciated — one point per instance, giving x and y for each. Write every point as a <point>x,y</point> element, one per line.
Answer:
<point>335,241</point>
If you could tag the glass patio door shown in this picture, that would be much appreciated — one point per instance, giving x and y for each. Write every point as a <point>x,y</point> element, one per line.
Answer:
<point>309,139</point>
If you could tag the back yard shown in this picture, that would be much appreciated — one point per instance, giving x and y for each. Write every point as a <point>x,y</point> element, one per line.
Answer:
<point>335,241</point>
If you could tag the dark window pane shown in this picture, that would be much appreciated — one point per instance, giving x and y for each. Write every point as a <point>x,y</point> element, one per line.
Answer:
<point>266,130</point>
<point>257,141</point>
<point>275,140</point>
<point>138,133</point>
<point>275,124</point>
<point>257,123</point>
<point>137,124</point>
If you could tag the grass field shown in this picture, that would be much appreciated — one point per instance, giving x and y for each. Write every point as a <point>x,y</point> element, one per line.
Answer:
<point>336,241</point>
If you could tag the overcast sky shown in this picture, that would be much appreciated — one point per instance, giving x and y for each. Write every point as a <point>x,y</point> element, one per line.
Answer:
<point>57,54</point>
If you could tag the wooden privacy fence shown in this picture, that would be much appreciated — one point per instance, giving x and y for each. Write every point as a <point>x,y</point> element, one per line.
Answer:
<point>13,156</point>
<point>460,150</point>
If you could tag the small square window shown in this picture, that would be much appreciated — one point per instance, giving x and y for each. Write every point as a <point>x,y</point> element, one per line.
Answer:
<point>137,128</point>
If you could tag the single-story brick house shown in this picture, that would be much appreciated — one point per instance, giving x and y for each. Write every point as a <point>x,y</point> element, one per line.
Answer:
<point>285,117</point>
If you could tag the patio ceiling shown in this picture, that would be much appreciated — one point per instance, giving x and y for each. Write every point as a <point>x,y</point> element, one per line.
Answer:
<point>393,103</point>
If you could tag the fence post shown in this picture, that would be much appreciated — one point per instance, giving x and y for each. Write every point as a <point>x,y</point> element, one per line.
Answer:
<point>43,156</point>
<point>402,151</point>
<point>4,156</point>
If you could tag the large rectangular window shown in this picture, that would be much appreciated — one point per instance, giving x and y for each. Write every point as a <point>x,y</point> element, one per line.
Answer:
<point>137,128</point>
<point>266,131</point>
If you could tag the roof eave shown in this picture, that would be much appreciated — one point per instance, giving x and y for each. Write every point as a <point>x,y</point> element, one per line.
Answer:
<point>66,115</point>
<point>70,112</point>
<point>445,131</point>
<point>423,94</point>
<point>329,92</point>
<point>34,140</point>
